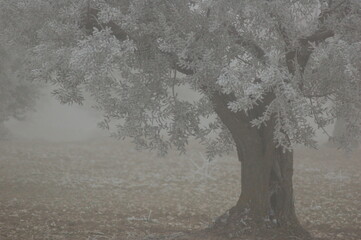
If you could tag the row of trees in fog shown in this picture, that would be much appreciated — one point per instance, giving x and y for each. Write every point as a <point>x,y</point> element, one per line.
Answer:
<point>17,95</point>
<point>264,68</point>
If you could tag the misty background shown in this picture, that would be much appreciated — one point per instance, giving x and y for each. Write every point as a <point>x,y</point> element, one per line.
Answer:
<point>52,121</point>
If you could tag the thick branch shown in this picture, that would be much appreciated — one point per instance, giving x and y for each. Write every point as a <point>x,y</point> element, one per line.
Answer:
<point>318,36</point>
<point>256,50</point>
<point>238,123</point>
<point>90,21</point>
<point>301,54</point>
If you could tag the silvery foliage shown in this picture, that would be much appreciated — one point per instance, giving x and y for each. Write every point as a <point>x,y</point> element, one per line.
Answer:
<point>133,81</point>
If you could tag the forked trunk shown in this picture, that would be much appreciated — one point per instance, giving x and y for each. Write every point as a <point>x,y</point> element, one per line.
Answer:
<point>267,187</point>
<point>266,205</point>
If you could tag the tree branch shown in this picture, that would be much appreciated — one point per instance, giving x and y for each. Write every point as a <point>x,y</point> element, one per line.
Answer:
<point>256,50</point>
<point>302,53</point>
<point>89,21</point>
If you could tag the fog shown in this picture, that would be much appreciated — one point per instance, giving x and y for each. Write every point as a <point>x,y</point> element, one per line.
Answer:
<point>76,189</point>
<point>52,121</point>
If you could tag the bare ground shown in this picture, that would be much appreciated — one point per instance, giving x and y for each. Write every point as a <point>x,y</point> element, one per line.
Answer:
<point>104,189</point>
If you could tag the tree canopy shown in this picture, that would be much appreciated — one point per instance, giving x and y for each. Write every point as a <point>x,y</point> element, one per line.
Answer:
<point>264,70</point>
<point>299,60</point>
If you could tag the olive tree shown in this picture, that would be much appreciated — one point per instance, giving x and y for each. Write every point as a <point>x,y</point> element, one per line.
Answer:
<point>263,68</point>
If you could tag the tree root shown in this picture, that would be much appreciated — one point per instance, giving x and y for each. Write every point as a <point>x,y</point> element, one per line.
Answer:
<point>241,225</point>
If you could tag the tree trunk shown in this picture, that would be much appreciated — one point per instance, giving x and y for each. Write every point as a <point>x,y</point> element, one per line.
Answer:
<point>4,133</point>
<point>266,205</point>
<point>339,128</point>
<point>339,135</point>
